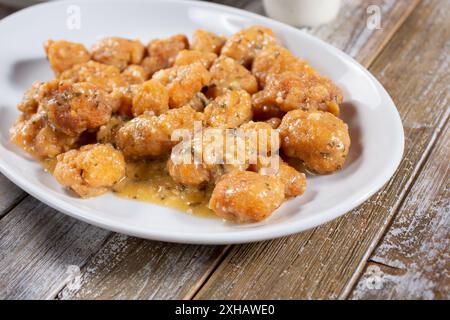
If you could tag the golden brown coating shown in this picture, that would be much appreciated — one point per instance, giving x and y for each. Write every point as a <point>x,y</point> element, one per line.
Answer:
<point>119,52</point>
<point>245,196</point>
<point>107,133</point>
<point>32,134</point>
<point>290,91</point>
<point>134,74</point>
<point>30,99</point>
<point>206,41</point>
<point>164,51</point>
<point>186,57</point>
<point>122,100</point>
<point>183,82</point>
<point>152,65</point>
<point>293,181</point>
<point>91,170</point>
<point>229,110</point>
<point>150,135</point>
<point>212,160</point>
<point>245,44</point>
<point>151,96</point>
<point>103,76</point>
<point>318,138</point>
<point>275,60</point>
<point>274,122</point>
<point>227,74</point>
<point>261,139</point>
<point>189,174</point>
<point>75,107</point>
<point>63,55</point>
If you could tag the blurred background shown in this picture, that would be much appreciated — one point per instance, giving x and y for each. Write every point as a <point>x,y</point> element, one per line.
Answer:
<point>300,13</point>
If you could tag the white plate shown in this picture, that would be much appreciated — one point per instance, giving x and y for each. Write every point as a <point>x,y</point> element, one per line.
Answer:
<point>375,126</point>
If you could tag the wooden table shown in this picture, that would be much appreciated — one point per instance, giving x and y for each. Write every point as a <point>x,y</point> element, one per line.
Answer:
<point>395,245</point>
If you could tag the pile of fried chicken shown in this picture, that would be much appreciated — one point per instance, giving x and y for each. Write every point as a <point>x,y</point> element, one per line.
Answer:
<point>121,101</point>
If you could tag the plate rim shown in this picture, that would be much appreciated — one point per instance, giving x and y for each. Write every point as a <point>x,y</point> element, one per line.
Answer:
<point>242,236</point>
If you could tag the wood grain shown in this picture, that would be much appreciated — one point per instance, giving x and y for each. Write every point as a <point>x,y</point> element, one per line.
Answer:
<point>131,268</point>
<point>152,281</point>
<point>413,259</point>
<point>326,262</point>
<point>10,195</point>
<point>38,246</point>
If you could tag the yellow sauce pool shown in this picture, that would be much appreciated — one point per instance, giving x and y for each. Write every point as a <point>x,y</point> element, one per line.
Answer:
<point>150,181</point>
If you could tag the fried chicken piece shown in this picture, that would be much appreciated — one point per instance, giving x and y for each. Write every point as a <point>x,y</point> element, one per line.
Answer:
<point>189,174</point>
<point>211,161</point>
<point>150,135</point>
<point>63,55</point>
<point>75,107</point>
<point>246,43</point>
<point>30,100</point>
<point>206,41</point>
<point>103,76</point>
<point>290,91</point>
<point>261,140</point>
<point>119,52</point>
<point>150,96</point>
<point>227,74</point>
<point>183,82</point>
<point>276,60</point>
<point>229,110</point>
<point>152,65</point>
<point>294,181</point>
<point>107,133</point>
<point>245,196</point>
<point>186,57</point>
<point>165,50</point>
<point>32,134</point>
<point>91,170</point>
<point>134,74</point>
<point>318,138</point>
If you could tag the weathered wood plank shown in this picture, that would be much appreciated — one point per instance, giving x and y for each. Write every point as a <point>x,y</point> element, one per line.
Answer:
<point>109,276</point>
<point>413,259</point>
<point>325,262</point>
<point>131,268</point>
<point>10,195</point>
<point>38,245</point>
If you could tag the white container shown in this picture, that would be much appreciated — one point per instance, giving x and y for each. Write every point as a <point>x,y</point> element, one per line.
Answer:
<point>302,12</point>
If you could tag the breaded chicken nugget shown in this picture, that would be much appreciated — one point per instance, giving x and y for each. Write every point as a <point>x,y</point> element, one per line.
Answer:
<point>229,110</point>
<point>183,82</point>
<point>91,170</point>
<point>32,134</point>
<point>318,138</point>
<point>150,135</point>
<point>227,74</point>
<point>103,76</point>
<point>246,43</point>
<point>245,196</point>
<point>63,55</point>
<point>75,107</point>
<point>206,41</point>
<point>290,91</point>
<point>119,52</point>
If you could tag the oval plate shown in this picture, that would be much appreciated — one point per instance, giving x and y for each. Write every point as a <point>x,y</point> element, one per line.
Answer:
<point>375,126</point>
